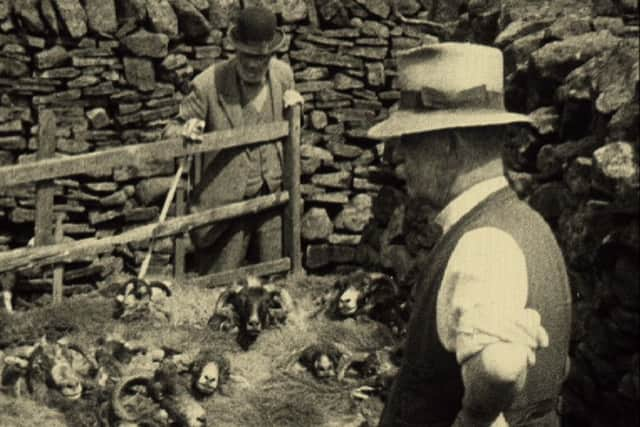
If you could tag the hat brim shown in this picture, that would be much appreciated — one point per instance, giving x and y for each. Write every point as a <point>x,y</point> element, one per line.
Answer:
<point>266,49</point>
<point>410,121</point>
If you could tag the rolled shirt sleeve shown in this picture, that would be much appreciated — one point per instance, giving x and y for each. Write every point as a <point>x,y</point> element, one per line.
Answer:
<point>483,296</point>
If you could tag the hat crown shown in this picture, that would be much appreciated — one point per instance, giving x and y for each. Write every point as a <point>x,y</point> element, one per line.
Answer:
<point>256,25</point>
<point>451,67</point>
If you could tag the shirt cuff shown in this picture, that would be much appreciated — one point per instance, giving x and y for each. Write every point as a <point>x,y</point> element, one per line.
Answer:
<point>481,326</point>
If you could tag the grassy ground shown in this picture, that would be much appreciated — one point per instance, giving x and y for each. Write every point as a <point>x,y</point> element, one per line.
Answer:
<point>264,391</point>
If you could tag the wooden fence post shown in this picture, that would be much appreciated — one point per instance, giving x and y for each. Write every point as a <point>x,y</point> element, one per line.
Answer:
<point>179,243</point>
<point>43,232</point>
<point>58,270</point>
<point>293,211</point>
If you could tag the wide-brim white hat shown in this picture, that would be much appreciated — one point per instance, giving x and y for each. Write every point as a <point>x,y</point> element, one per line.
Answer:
<point>448,85</point>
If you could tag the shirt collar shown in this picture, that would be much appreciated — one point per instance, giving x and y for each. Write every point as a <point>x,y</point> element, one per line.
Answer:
<point>468,200</point>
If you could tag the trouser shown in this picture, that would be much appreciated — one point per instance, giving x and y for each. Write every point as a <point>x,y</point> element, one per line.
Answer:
<point>257,236</point>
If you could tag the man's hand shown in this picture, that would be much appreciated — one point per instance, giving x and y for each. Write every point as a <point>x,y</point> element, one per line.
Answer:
<point>292,97</point>
<point>192,130</point>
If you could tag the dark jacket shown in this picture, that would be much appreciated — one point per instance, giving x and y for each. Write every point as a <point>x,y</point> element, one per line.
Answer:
<point>216,99</point>
<point>429,387</point>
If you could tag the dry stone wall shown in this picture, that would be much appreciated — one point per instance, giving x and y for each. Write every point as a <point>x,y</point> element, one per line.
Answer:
<point>114,71</point>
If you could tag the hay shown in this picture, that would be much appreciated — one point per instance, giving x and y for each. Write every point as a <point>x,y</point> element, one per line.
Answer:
<point>27,413</point>
<point>264,389</point>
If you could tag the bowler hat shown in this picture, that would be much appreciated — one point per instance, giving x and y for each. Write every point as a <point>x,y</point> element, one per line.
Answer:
<point>256,32</point>
<point>448,85</point>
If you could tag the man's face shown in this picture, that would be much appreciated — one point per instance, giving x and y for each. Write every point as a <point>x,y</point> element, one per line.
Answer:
<point>429,165</point>
<point>252,68</point>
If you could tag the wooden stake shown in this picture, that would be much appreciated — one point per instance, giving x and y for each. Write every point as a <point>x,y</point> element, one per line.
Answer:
<point>163,213</point>
<point>293,211</point>
<point>58,270</point>
<point>43,232</point>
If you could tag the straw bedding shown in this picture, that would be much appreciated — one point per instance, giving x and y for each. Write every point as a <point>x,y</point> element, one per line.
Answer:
<point>266,387</point>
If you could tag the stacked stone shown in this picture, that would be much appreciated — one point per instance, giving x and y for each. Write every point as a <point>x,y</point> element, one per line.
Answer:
<point>579,76</point>
<point>113,72</point>
<point>573,68</point>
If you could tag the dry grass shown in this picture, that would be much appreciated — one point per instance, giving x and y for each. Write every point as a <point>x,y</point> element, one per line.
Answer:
<point>264,391</point>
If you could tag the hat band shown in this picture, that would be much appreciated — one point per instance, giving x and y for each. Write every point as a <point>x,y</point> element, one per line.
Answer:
<point>429,98</point>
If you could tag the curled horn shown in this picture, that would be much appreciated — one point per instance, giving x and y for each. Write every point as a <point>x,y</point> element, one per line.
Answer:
<point>224,300</point>
<point>163,286</point>
<point>80,350</point>
<point>116,397</point>
<point>135,283</point>
<point>281,295</point>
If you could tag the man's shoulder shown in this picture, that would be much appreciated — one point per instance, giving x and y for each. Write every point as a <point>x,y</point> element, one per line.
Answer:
<point>207,78</point>
<point>281,69</point>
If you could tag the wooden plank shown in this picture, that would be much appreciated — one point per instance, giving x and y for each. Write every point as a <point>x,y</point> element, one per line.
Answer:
<point>139,153</point>
<point>293,212</point>
<point>180,243</point>
<point>163,213</point>
<point>58,270</point>
<point>226,277</point>
<point>45,189</point>
<point>66,252</point>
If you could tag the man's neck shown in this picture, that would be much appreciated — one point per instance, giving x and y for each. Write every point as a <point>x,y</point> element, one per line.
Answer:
<point>465,180</point>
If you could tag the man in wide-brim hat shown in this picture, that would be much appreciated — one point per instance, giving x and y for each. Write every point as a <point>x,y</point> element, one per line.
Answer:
<point>488,338</point>
<point>252,88</point>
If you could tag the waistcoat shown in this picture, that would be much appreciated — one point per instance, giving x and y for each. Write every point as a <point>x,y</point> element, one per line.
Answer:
<point>264,164</point>
<point>428,390</point>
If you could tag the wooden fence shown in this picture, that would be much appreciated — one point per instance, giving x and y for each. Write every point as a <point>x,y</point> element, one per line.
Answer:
<point>50,250</point>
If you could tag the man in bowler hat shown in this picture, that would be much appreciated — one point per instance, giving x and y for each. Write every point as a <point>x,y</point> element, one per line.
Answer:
<point>488,338</point>
<point>253,87</point>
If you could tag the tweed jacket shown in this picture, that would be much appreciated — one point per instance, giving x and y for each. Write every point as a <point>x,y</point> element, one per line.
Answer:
<point>216,99</point>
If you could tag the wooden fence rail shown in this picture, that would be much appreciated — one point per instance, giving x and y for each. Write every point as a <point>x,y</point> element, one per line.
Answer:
<point>55,253</point>
<point>139,153</point>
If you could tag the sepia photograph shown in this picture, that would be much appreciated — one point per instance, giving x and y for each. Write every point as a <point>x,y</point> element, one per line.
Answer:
<point>319,213</point>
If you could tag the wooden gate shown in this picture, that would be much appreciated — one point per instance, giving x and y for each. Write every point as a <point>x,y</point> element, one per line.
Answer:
<point>50,250</point>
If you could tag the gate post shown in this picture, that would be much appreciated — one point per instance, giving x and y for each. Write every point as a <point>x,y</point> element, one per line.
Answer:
<point>293,211</point>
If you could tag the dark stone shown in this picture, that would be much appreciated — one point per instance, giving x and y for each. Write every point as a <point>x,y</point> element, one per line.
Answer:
<point>344,82</point>
<point>322,57</point>
<point>578,176</point>
<point>622,63</point>
<point>222,13</point>
<point>73,17</point>
<point>28,13</point>
<point>615,168</point>
<point>162,17</point>
<point>375,74</point>
<point>546,120</point>
<point>318,119</point>
<point>379,8</point>
<point>375,29</point>
<point>101,15</point>
<point>316,225</point>
<point>140,73</point>
<point>317,256</point>
<point>551,200</point>
<point>12,68</point>
<point>625,123</point>
<point>556,59</point>
<point>49,15</point>
<point>518,29</point>
<point>312,73</point>
<point>517,54</point>
<point>338,180</point>
<point>191,22</point>
<point>144,43</point>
